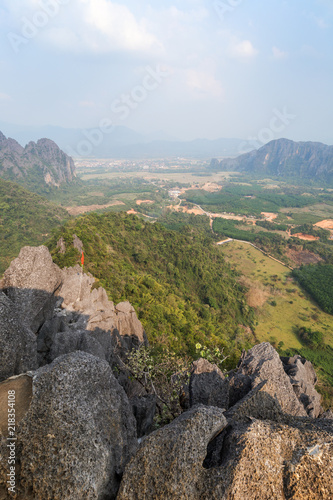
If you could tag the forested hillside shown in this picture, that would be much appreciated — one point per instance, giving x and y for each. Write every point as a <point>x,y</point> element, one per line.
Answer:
<point>25,219</point>
<point>179,284</point>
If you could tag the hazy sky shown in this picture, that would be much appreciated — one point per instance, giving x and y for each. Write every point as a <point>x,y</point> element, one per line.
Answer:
<point>192,68</point>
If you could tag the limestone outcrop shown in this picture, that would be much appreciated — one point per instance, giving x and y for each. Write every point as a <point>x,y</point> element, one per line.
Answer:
<point>303,379</point>
<point>31,282</point>
<point>259,364</point>
<point>66,311</point>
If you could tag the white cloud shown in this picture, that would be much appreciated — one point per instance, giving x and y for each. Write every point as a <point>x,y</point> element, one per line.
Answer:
<point>97,26</point>
<point>279,54</point>
<point>242,49</point>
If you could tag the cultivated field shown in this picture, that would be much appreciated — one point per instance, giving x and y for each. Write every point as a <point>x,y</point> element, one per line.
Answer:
<point>281,305</point>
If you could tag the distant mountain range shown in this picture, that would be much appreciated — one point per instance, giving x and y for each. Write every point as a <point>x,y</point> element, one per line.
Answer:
<point>285,159</point>
<point>36,165</point>
<point>123,142</point>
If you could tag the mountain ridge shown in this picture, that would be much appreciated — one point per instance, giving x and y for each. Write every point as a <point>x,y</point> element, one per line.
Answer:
<point>285,159</point>
<point>38,164</point>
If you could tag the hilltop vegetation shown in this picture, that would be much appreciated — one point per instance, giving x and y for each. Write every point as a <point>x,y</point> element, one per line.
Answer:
<point>25,219</point>
<point>179,283</point>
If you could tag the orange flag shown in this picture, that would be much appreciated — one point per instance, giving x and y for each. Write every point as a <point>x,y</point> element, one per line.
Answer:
<point>82,259</point>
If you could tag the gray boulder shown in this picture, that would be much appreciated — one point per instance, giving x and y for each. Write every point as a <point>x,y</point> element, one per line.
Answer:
<point>265,460</point>
<point>78,433</point>
<point>18,347</point>
<point>169,461</point>
<point>30,282</point>
<point>71,341</point>
<point>262,363</point>
<point>303,379</point>
<point>200,457</point>
<point>208,386</point>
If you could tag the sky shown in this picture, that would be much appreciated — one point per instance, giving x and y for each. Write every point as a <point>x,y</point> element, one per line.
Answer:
<point>250,69</point>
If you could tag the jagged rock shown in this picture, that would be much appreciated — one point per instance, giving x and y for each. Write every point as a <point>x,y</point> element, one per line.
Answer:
<point>208,386</point>
<point>96,311</point>
<point>129,327</point>
<point>303,379</point>
<point>75,290</point>
<point>66,309</point>
<point>262,363</point>
<point>144,409</point>
<point>169,461</point>
<point>61,245</point>
<point>77,435</point>
<point>265,460</point>
<point>18,347</point>
<point>77,243</point>
<point>30,282</point>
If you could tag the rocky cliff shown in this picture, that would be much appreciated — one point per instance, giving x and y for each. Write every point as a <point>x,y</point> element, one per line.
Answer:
<point>285,159</point>
<point>257,433</point>
<point>40,163</point>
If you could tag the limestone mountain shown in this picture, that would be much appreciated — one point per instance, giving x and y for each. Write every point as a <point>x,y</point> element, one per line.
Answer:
<point>285,159</point>
<point>38,165</point>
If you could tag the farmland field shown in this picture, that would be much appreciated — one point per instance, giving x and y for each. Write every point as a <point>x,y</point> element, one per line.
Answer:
<point>293,309</point>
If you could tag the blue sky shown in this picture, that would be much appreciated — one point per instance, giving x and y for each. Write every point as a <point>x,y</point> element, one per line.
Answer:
<point>192,68</point>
